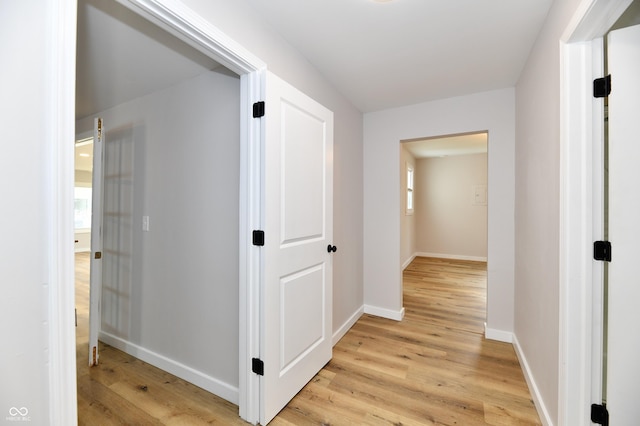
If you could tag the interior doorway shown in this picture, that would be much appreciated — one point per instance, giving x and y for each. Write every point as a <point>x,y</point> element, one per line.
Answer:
<point>177,19</point>
<point>444,211</point>
<point>171,189</point>
<point>445,205</point>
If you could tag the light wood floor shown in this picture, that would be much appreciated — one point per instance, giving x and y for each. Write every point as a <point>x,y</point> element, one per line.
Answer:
<point>432,368</point>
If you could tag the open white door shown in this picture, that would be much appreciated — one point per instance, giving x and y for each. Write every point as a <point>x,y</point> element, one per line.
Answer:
<point>623,368</point>
<point>95,278</point>
<point>297,293</point>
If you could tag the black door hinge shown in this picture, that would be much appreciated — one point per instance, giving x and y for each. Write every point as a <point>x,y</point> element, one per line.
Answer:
<point>602,250</point>
<point>600,414</point>
<point>257,366</point>
<point>258,109</point>
<point>602,87</point>
<point>258,238</point>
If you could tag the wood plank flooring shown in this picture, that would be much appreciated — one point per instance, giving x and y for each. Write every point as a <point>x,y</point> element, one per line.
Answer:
<point>432,368</point>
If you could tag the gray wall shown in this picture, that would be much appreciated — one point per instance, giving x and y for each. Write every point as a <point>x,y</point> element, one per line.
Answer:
<point>383,130</point>
<point>173,291</point>
<point>537,207</point>
<point>239,21</point>
<point>449,222</point>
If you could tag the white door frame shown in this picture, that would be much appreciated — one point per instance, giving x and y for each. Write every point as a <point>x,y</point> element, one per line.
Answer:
<point>581,206</point>
<point>184,23</point>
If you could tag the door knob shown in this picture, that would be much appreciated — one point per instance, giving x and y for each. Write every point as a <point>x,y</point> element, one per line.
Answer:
<point>331,248</point>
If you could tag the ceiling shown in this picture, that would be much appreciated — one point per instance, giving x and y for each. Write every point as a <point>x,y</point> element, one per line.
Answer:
<point>379,54</point>
<point>121,56</point>
<point>383,54</point>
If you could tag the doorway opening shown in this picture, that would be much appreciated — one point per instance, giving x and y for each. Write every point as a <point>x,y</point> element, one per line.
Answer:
<point>82,194</point>
<point>444,211</point>
<point>82,234</point>
<point>188,26</point>
<point>172,168</point>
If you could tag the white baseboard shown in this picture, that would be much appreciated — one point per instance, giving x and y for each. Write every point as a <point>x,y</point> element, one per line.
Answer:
<point>408,262</point>
<point>543,413</point>
<point>499,335</point>
<point>206,382</point>
<point>384,313</point>
<point>451,256</point>
<point>347,325</point>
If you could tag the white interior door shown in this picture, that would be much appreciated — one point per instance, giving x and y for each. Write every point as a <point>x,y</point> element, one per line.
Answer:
<point>623,368</point>
<point>297,297</point>
<point>95,278</point>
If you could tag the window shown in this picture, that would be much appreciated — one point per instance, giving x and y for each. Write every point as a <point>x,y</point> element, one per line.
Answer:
<point>409,189</point>
<point>82,207</point>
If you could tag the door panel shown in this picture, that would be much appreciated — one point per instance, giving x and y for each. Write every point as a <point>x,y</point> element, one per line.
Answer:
<point>302,316</point>
<point>623,369</point>
<point>297,297</point>
<point>302,175</point>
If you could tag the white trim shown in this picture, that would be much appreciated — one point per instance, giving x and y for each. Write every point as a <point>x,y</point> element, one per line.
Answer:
<point>580,204</point>
<point>408,261</point>
<point>178,19</point>
<point>408,167</point>
<point>251,209</point>
<point>451,256</point>
<point>498,335</point>
<point>384,312</point>
<point>339,334</point>
<point>576,237</point>
<point>61,61</point>
<point>198,378</point>
<point>543,413</point>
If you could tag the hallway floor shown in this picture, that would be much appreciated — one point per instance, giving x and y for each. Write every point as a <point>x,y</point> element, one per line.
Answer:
<point>432,368</point>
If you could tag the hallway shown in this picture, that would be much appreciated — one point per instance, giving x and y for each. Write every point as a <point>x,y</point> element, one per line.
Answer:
<point>434,367</point>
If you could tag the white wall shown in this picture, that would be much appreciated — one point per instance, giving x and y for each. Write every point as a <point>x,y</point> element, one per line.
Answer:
<point>25,158</point>
<point>490,111</point>
<point>239,21</point>
<point>536,321</point>
<point>82,241</point>
<point>172,292</point>
<point>450,221</point>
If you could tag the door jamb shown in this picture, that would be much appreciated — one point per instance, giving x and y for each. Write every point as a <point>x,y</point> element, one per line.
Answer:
<point>187,25</point>
<point>581,206</point>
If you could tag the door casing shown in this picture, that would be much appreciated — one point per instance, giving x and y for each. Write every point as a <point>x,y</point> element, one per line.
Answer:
<point>581,215</point>
<point>179,20</point>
